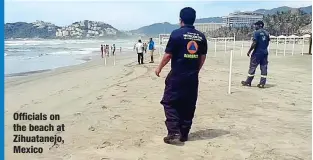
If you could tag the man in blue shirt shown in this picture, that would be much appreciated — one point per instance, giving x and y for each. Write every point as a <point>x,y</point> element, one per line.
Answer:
<point>151,49</point>
<point>187,50</point>
<point>259,55</point>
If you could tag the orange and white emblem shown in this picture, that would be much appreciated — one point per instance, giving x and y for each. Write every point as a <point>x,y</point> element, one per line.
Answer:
<point>192,47</point>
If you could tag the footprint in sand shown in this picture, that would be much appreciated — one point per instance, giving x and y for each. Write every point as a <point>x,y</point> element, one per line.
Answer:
<point>67,156</point>
<point>115,116</point>
<point>35,102</point>
<point>91,128</point>
<point>89,103</point>
<point>99,97</point>
<point>75,87</point>
<point>24,105</point>
<point>212,144</point>
<point>119,85</point>
<point>139,143</point>
<point>104,107</point>
<point>125,101</point>
<point>77,113</point>
<point>104,145</point>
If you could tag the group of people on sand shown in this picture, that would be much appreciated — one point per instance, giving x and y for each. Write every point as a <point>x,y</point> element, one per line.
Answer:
<point>105,50</point>
<point>141,48</point>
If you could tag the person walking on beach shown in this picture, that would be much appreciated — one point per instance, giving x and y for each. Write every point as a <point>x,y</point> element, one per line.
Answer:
<point>151,49</point>
<point>101,50</point>
<point>139,48</point>
<point>259,55</point>
<point>186,48</point>
<point>113,49</point>
<point>120,49</point>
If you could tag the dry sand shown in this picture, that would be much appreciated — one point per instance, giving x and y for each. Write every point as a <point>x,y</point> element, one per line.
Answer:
<point>114,113</point>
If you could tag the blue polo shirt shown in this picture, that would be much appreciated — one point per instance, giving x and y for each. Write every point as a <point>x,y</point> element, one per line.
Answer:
<point>262,38</point>
<point>151,45</point>
<point>186,45</point>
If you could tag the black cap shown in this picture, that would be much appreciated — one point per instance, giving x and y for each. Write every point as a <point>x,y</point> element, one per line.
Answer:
<point>188,15</point>
<point>259,23</point>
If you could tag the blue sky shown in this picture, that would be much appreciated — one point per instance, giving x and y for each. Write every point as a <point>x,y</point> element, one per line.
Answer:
<point>127,15</point>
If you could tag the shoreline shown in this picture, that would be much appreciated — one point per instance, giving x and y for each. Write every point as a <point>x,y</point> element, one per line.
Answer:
<point>85,59</point>
<point>94,60</point>
<point>20,74</point>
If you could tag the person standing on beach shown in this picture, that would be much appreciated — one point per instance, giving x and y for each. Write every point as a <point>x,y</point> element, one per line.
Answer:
<point>139,48</point>
<point>259,55</point>
<point>151,49</point>
<point>108,50</point>
<point>105,50</point>
<point>101,50</point>
<point>145,47</point>
<point>186,48</point>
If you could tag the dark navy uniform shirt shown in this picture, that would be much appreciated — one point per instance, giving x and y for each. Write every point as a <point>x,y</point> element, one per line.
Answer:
<point>186,45</point>
<point>262,38</point>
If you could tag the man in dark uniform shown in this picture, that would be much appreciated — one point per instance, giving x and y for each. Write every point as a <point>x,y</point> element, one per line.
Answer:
<point>113,49</point>
<point>187,50</point>
<point>259,55</point>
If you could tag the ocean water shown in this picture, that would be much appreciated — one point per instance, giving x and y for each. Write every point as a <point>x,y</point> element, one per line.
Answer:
<point>35,55</point>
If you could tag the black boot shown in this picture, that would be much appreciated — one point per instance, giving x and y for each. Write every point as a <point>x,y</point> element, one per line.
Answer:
<point>184,134</point>
<point>183,138</point>
<point>172,139</point>
<point>261,85</point>
<point>244,83</point>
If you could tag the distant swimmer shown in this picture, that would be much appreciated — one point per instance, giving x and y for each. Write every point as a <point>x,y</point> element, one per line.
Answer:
<point>113,49</point>
<point>187,49</point>
<point>151,49</point>
<point>139,48</point>
<point>259,55</point>
<point>101,50</point>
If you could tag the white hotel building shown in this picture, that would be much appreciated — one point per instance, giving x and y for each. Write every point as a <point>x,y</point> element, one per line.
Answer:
<point>240,19</point>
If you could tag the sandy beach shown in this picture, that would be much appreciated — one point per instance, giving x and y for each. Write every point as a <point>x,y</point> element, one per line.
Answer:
<point>113,112</point>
